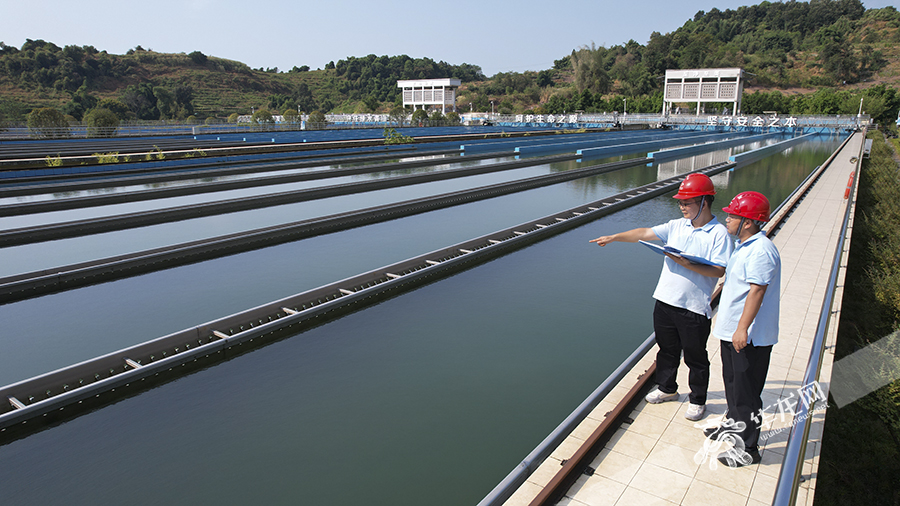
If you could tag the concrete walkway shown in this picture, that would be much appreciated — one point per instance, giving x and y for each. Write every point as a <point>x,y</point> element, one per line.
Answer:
<point>659,457</point>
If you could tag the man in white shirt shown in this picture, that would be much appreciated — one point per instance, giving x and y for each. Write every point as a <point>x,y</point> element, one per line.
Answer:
<point>681,317</point>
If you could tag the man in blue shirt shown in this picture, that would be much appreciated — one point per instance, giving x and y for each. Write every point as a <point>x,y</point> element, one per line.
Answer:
<point>681,317</point>
<point>747,323</point>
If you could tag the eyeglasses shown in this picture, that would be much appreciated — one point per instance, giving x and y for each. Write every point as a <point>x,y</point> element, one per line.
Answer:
<point>685,203</point>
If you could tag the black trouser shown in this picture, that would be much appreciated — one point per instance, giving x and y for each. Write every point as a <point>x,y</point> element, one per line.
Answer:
<point>679,330</point>
<point>744,375</point>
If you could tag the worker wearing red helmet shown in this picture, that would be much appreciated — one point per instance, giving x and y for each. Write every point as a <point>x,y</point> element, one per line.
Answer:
<point>747,322</point>
<point>681,316</point>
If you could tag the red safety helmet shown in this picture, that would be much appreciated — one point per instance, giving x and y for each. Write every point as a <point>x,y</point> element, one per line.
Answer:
<point>695,185</point>
<point>752,205</point>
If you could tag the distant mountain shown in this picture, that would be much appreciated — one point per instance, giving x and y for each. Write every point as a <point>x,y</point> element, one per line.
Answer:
<point>796,47</point>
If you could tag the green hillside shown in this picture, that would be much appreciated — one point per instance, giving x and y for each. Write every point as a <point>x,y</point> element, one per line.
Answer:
<point>792,49</point>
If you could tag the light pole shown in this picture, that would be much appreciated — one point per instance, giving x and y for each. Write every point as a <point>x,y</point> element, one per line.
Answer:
<point>625,107</point>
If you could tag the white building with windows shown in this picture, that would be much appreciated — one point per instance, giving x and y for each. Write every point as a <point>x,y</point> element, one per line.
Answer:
<point>429,92</point>
<point>703,85</point>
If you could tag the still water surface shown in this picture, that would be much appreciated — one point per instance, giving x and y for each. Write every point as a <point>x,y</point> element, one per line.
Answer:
<point>431,397</point>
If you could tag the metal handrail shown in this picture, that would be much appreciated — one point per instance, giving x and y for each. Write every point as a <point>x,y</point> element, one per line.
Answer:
<point>792,465</point>
<point>517,476</point>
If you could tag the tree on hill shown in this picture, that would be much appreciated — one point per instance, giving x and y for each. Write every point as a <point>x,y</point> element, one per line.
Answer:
<point>115,106</point>
<point>165,102</point>
<point>590,69</point>
<point>378,75</point>
<point>371,103</point>
<point>81,102</point>
<point>141,100</point>
<point>149,102</point>
<point>184,100</point>
<point>198,57</point>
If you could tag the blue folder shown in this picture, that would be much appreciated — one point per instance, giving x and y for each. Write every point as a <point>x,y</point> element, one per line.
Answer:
<point>662,250</point>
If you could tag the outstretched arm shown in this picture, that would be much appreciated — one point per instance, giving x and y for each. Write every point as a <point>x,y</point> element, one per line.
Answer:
<point>633,235</point>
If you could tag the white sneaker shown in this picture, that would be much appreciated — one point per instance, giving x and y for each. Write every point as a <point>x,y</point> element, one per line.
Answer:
<point>656,396</point>
<point>695,411</point>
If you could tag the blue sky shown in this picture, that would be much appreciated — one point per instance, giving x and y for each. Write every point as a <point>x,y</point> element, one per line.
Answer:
<point>498,36</point>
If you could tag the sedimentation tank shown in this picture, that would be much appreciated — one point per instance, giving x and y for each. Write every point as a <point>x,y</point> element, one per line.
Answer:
<point>431,396</point>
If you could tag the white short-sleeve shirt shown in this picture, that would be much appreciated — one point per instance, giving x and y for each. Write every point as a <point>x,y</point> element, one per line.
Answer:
<point>679,286</point>
<point>755,261</point>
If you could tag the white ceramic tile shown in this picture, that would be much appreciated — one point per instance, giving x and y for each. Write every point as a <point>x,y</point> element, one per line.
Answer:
<point>616,466</point>
<point>634,497</point>
<point>705,494</point>
<point>596,490</point>
<point>631,443</point>
<point>661,482</point>
<point>674,458</point>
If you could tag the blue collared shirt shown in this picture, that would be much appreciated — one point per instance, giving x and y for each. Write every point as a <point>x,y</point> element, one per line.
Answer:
<point>755,261</point>
<point>679,286</point>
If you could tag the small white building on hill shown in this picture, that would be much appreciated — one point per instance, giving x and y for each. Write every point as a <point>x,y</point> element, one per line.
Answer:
<point>429,92</point>
<point>699,86</point>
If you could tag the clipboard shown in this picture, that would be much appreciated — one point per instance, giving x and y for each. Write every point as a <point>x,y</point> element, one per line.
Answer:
<point>662,250</point>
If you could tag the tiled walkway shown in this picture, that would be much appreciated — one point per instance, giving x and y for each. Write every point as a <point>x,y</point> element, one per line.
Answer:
<point>653,460</point>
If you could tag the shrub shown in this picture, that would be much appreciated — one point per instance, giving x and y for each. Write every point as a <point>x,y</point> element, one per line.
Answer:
<point>392,136</point>
<point>51,161</point>
<point>290,115</point>
<point>263,117</point>
<point>101,123</point>
<point>419,117</point>
<point>316,120</point>
<point>102,158</point>
<point>233,117</point>
<point>398,115</point>
<point>155,153</point>
<point>48,123</point>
